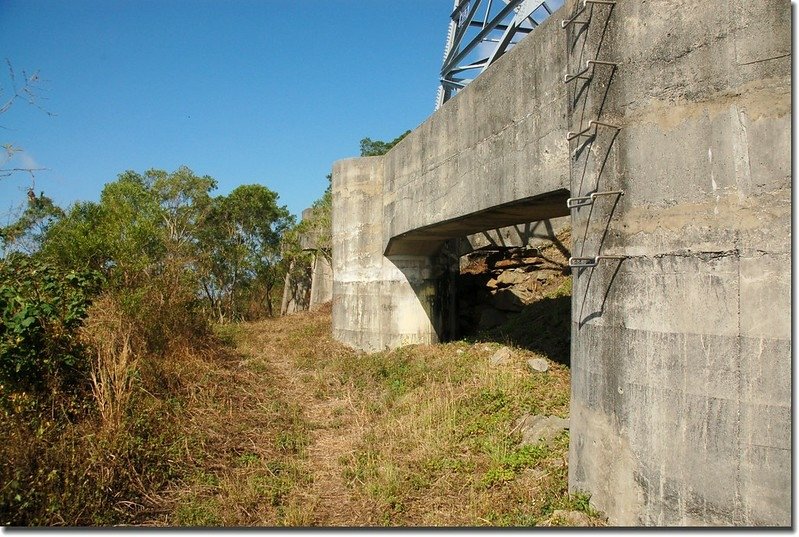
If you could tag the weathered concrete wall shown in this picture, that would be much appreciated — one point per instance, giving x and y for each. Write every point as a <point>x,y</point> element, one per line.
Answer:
<point>681,351</point>
<point>492,157</point>
<point>321,281</point>
<point>378,302</point>
<point>308,289</point>
<point>488,159</point>
<point>681,409</point>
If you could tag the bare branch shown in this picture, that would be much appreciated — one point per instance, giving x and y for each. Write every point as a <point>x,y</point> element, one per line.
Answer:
<point>5,172</point>
<point>28,91</point>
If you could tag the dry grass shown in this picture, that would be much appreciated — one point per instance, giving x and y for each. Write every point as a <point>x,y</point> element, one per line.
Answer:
<point>298,430</point>
<point>114,367</point>
<point>282,426</point>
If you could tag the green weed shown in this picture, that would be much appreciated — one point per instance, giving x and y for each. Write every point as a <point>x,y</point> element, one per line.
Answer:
<point>198,513</point>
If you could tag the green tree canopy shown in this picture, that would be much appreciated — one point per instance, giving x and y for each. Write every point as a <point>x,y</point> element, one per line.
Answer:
<point>28,232</point>
<point>240,245</point>
<point>375,148</point>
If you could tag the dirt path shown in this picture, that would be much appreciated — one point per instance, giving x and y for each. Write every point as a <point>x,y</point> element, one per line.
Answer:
<point>333,424</point>
<point>294,429</point>
<point>331,439</point>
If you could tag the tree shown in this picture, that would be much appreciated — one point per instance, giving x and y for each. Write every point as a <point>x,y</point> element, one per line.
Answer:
<point>240,245</point>
<point>314,232</point>
<point>184,199</point>
<point>142,235</point>
<point>375,148</point>
<point>141,222</point>
<point>28,232</point>
<point>74,240</point>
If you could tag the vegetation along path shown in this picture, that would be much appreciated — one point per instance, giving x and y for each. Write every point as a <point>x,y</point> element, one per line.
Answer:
<point>298,430</point>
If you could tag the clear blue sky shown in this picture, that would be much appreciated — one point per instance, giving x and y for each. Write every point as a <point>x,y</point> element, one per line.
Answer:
<point>245,91</point>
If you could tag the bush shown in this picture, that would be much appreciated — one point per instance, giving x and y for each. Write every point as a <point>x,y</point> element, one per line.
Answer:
<point>42,307</point>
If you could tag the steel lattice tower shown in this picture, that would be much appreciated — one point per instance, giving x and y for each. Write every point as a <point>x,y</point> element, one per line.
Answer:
<point>480,31</point>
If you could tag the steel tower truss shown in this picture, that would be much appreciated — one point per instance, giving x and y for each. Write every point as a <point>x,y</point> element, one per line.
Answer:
<point>480,31</point>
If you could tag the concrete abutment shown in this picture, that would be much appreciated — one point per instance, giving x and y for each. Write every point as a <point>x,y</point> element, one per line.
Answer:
<point>681,349</point>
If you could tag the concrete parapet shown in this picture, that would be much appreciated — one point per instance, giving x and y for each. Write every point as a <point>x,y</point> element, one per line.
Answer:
<point>491,157</point>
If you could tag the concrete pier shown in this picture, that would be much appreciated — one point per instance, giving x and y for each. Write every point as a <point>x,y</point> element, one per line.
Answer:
<point>681,409</point>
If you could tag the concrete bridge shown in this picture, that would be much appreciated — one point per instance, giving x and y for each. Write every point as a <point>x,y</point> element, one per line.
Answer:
<point>681,339</point>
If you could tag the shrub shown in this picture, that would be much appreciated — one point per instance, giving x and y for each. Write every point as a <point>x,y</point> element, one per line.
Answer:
<point>41,307</point>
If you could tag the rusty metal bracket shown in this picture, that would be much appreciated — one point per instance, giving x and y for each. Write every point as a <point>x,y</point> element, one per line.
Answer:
<point>589,262</point>
<point>583,201</point>
<point>591,124</point>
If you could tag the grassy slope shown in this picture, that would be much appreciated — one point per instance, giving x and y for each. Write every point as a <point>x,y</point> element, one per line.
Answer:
<point>299,430</point>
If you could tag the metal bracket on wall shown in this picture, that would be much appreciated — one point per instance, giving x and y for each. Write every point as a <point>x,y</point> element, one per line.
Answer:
<point>566,22</point>
<point>568,78</point>
<point>588,65</point>
<point>583,201</point>
<point>591,124</point>
<point>589,262</point>
<point>600,62</point>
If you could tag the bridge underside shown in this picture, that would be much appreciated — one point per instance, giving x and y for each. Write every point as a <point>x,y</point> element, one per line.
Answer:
<point>428,240</point>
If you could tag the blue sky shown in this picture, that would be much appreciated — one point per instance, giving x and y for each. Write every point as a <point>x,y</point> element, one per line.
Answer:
<point>266,91</point>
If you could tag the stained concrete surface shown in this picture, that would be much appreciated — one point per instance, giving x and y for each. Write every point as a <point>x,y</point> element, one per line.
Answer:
<point>681,379</point>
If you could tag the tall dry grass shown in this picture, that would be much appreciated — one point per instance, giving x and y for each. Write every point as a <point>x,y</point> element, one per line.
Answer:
<point>103,454</point>
<point>114,367</point>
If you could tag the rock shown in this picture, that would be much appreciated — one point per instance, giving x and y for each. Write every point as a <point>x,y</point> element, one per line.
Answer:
<point>571,518</point>
<point>490,318</point>
<point>501,357</point>
<point>510,299</point>
<point>473,264</point>
<point>538,364</point>
<point>512,277</point>
<point>517,262</point>
<point>536,429</point>
<point>492,283</point>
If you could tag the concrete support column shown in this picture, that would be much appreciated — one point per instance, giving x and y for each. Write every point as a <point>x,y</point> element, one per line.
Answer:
<point>378,302</point>
<point>295,291</point>
<point>681,352</point>
<point>410,313</point>
<point>321,281</point>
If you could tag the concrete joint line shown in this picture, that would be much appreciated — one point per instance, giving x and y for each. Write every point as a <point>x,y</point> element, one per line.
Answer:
<point>679,254</point>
